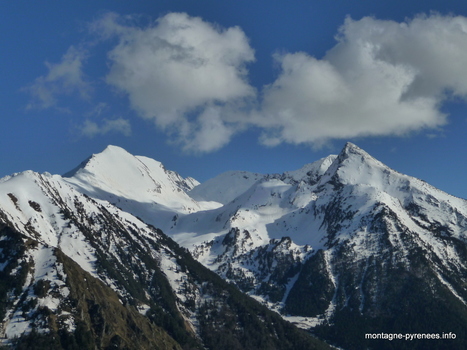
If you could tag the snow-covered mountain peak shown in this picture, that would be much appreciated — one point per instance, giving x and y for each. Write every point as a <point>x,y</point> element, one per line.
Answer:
<point>91,164</point>
<point>342,237</point>
<point>109,163</point>
<point>355,166</point>
<point>78,272</point>
<point>115,175</point>
<point>352,148</point>
<point>353,154</point>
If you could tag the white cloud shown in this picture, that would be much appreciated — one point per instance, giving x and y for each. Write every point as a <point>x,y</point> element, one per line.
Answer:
<point>119,125</point>
<point>63,78</point>
<point>382,78</point>
<point>190,78</point>
<point>177,71</point>
<point>211,131</point>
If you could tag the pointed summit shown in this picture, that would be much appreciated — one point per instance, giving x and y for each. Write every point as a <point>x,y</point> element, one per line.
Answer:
<point>115,174</point>
<point>349,146</point>
<point>107,155</point>
<point>355,166</point>
<point>109,159</point>
<point>352,150</point>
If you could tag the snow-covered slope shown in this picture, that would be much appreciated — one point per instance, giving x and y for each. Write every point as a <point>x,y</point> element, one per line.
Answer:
<point>335,232</point>
<point>343,239</point>
<point>136,184</point>
<point>310,173</point>
<point>225,187</point>
<point>272,207</point>
<point>116,173</point>
<point>77,271</point>
<point>53,227</point>
<point>46,210</point>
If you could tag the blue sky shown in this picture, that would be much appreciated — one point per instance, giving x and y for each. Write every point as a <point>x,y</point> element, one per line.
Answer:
<point>209,86</point>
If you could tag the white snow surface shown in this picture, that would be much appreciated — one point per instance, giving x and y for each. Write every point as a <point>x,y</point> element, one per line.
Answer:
<point>32,200</point>
<point>268,207</point>
<point>312,170</point>
<point>134,183</point>
<point>46,268</point>
<point>225,187</point>
<point>38,205</point>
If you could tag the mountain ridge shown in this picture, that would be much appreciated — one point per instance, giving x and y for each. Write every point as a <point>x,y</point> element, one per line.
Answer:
<point>318,245</point>
<point>78,272</point>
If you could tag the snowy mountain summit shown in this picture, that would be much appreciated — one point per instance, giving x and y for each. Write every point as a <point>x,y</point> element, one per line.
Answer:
<point>347,239</point>
<point>77,271</point>
<point>116,174</point>
<point>342,241</point>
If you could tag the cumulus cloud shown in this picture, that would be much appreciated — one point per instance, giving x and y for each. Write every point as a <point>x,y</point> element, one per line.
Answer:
<point>91,128</point>
<point>181,72</point>
<point>190,78</point>
<point>382,78</point>
<point>210,132</point>
<point>63,78</point>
